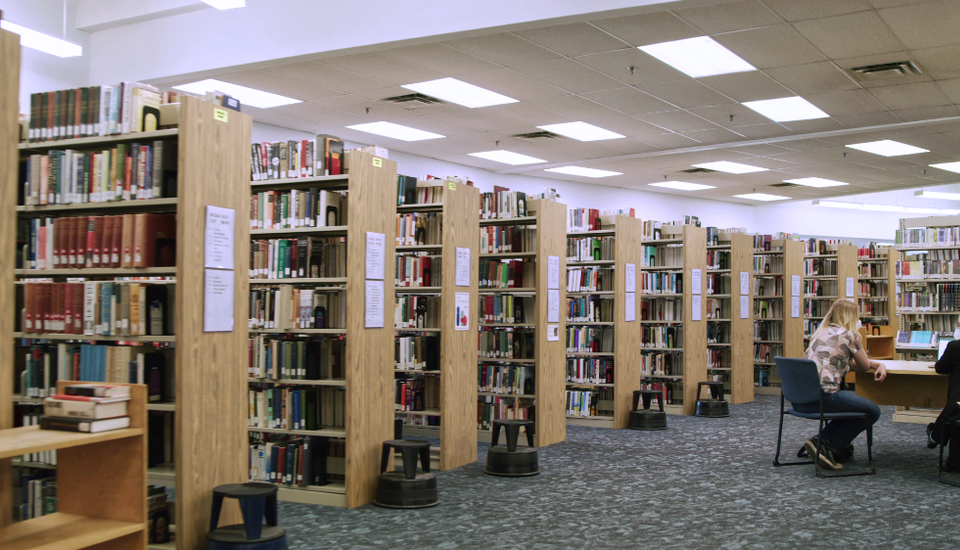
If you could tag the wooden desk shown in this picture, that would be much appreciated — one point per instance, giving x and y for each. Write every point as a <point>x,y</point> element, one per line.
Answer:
<point>908,384</point>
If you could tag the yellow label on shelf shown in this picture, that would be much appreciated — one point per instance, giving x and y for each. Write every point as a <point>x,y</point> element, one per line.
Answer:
<point>452,185</point>
<point>221,114</point>
<point>378,162</point>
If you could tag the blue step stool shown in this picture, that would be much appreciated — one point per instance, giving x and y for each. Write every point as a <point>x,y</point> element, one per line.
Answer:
<point>257,500</point>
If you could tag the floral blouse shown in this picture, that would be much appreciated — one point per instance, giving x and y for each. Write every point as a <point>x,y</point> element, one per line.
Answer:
<point>833,351</point>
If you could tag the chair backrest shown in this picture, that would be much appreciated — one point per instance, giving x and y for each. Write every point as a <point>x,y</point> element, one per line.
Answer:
<point>800,382</point>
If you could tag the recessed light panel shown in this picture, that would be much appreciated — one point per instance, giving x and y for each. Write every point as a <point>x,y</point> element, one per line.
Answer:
<point>948,166</point>
<point>838,204</point>
<point>581,171</point>
<point>888,148</point>
<point>937,195</point>
<point>730,167</point>
<point>682,185</point>
<point>507,157</point>
<point>43,42</point>
<point>816,182</point>
<point>247,96</point>
<point>698,57</point>
<point>922,210</point>
<point>786,109</point>
<point>226,4</point>
<point>581,131</point>
<point>761,197</point>
<point>459,92</point>
<point>395,131</point>
<point>883,207</point>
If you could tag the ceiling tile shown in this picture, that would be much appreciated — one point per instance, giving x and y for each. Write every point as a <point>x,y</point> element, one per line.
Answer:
<point>927,113</point>
<point>648,28</point>
<point>847,103</point>
<point>627,126</point>
<point>951,88</point>
<point>513,84</point>
<point>763,131</point>
<point>750,86</point>
<point>762,150</point>
<point>801,144</point>
<point>505,49</point>
<point>720,115</point>
<point>383,67</point>
<point>380,94</point>
<point>712,137</point>
<point>358,106</point>
<point>868,119</point>
<point>792,10</point>
<point>816,125</point>
<point>328,77</point>
<point>647,69</point>
<point>928,26</point>
<point>453,145</point>
<point>776,46</point>
<point>569,75</point>
<point>893,3</point>
<point>670,141</point>
<point>575,107</point>
<point>813,78</point>
<point>939,63</point>
<point>574,39</point>
<point>276,84</point>
<point>436,125</point>
<point>687,94</point>
<point>629,100</point>
<point>473,118</point>
<point>527,113</point>
<point>441,58</point>
<point>852,35</point>
<point>678,121</point>
<point>314,112</point>
<point>911,96</point>
<point>628,146</point>
<point>730,16</point>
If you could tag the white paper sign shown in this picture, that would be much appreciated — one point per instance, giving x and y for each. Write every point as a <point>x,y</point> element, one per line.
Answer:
<point>553,272</point>
<point>795,306</point>
<point>744,307</point>
<point>373,300</point>
<point>744,283</point>
<point>462,303</point>
<point>553,333</point>
<point>218,238</point>
<point>850,287</point>
<point>695,286</point>
<point>217,300</point>
<point>695,308</point>
<point>553,306</point>
<point>375,252</point>
<point>630,277</point>
<point>795,286</point>
<point>463,267</point>
<point>630,307</point>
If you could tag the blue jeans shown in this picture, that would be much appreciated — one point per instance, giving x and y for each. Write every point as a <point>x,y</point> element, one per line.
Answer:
<point>837,434</point>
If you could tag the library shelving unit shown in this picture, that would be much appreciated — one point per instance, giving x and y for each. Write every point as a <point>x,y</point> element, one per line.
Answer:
<point>684,365</point>
<point>776,330</point>
<point>626,234</point>
<point>101,484</point>
<point>457,360</point>
<point>209,446</point>
<point>367,359</point>
<point>828,277</point>
<point>549,355</point>
<point>731,321</point>
<point>878,301</point>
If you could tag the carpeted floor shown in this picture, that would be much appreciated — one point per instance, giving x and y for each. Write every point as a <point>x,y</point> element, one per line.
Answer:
<point>704,483</point>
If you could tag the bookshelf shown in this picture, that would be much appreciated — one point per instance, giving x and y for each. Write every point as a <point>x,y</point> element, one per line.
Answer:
<point>828,275</point>
<point>730,333</point>
<point>623,248</point>
<point>878,299</point>
<point>364,382</point>
<point>677,368</point>
<point>549,356</point>
<point>776,330</point>
<point>455,367</point>
<point>101,484</point>
<point>209,448</point>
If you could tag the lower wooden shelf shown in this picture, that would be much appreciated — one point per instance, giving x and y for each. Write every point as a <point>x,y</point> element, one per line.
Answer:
<point>766,390</point>
<point>590,421</point>
<point>31,439</point>
<point>59,531</point>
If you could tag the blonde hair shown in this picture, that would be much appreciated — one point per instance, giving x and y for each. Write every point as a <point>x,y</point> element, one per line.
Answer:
<point>842,313</point>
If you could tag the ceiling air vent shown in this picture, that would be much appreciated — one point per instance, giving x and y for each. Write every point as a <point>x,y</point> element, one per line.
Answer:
<point>698,171</point>
<point>413,102</point>
<point>784,184</point>
<point>539,137</point>
<point>884,71</point>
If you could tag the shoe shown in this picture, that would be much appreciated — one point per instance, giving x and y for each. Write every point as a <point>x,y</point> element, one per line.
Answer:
<point>931,444</point>
<point>809,448</point>
<point>827,459</point>
<point>846,454</point>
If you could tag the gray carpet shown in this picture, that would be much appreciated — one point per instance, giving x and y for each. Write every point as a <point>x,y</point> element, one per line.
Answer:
<point>704,483</point>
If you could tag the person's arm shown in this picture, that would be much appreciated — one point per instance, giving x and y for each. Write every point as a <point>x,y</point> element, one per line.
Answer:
<point>861,363</point>
<point>951,357</point>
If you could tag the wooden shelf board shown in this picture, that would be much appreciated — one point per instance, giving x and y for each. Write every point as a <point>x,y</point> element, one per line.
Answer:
<point>767,275</point>
<point>592,323</point>
<point>424,207</point>
<point>162,407</point>
<point>928,312</point>
<point>409,329</point>
<point>31,439</point>
<point>28,464</point>
<point>719,320</point>
<point>504,360</point>
<point>428,412</point>
<point>591,353</point>
<point>661,349</point>
<point>719,296</point>
<point>508,325</point>
<point>592,233</point>
<point>657,322</point>
<point>766,390</point>
<point>590,293</point>
<point>663,376</point>
<point>60,531</point>
<point>518,290</point>
<point>421,248</point>
<point>418,371</point>
<point>503,255</point>
<point>99,272</point>
<point>164,472</point>
<point>926,249</point>
<point>298,331</point>
<point>58,336</point>
<point>591,421</point>
<point>673,268</point>
<point>326,432</point>
<point>660,295</point>
<point>149,205</point>
<point>333,231</point>
<point>321,182</point>
<point>300,281</point>
<point>819,255</point>
<point>710,271</point>
<point>654,242</point>
<point>514,395</point>
<point>589,384</point>
<point>297,382</point>
<point>172,545</point>
<point>591,263</point>
<point>417,289</point>
<point>927,280</point>
<point>98,140</point>
<point>525,220</point>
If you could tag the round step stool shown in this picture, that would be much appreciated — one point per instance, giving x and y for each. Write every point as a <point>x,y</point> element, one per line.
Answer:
<point>257,501</point>
<point>714,406</point>
<point>645,418</point>
<point>406,489</point>
<point>510,461</point>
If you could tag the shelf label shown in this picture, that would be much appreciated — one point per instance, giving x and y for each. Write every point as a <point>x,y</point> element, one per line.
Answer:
<point>375,252</point>
<point>221,114</point>
<point>378,162</point>
<point>744,307</point>
<point>850,287</point>
<point>744,283</point>
<point>553,306</point>
<point>373,314</point>
<point>795,287</point>
<point>553,333</point>
<point>553,272</point>
<point>630,277</point>
<point>697,283</point>
<point>463,267</point>
<point>630,307</point>
<point>696,308</point>
<point>218,300</point>
<point>795,306</point>
<point>218,237</point>
<point>462,303</point>
<point>451,185</point>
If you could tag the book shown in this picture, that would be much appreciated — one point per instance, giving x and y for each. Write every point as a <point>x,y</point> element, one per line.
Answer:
<point>83,425</point>
<point>97,390</point>
<point>89,408</point>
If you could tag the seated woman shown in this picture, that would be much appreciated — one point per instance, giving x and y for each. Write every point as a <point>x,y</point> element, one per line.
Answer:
<point>836,348</point>
<point>937,433</point>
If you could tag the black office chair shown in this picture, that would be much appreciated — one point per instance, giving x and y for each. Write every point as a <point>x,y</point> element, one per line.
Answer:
<point>951,425</point>
<point>800,383</point>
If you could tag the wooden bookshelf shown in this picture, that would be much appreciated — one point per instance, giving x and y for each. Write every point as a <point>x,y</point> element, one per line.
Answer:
<point>878,288</point>
<point>737,347</point>
<point>779,330</point>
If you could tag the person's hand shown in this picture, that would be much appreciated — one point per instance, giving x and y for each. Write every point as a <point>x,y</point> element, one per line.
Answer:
<point>881,373</point>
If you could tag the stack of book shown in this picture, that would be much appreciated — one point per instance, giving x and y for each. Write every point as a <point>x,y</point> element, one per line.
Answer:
<point>88,408</point>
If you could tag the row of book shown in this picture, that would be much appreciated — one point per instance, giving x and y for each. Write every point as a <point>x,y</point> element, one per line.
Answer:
<point>583,219</point>
<point>407,419</point>
<point>296,159</point>
<point>948,296</point>
<point>718,333</point>
<point>499,343</point>
<point>764,243</point>
<point>928,269</point>
<point>768,309</point>
<point>414,270</point>
<point>816,308</point>
<point>663,255</point>
<point>507,308</point>
<point>126,172</point>
<point>927,237</point>
<point>718,259</point>
<point>820,287</point>
<point>413,311</point>
<point>303,257</point>
<point>298,461</point>
<point>585,403</point>
<point>589,340</point>
<point>659,282</point>
<point>917,339</point>
<point>38,494</point>
<point>28,414</point>
<point>590,370</point>
<point>873,289</point>
<point>507,274</point>
<point>288,308</point>
<point>768,332</point>
<point>654,230</point>
<point>717,283</point>
<point>768,263</point>
<point>45,364</point>
<point>297,208</point>
<point>764,353</point>
<point>872,269</point>
<point>809,327</point>
<point>417,353</point>
<point>296,409</point>
<point>589,309</point>
<point>425,190</point>
<point>130,240</point>
<point>421,228</point>
<point>661,364</point>
<point>717,358</point>
<point>872,309</point>
<point>417,394</point>
<point>589,279</point>
<point>666,390</point>
<point>505,379</point>
<point>661,337</point>
<point>768,287</point>
<point>590,249</point>
<point>819,266</point>
<point>665,309</point>
<point>821,247</point>
<point>271,358</point>
<point>95,111</point>
<point>97,308</point>
<point>503,203</point>
<point>872,251</point>
<point>917,301</point>
<point>504,239</point>
<point>492,407</point>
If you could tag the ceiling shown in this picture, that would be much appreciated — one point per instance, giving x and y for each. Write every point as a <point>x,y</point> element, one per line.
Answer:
<point>580,71</point>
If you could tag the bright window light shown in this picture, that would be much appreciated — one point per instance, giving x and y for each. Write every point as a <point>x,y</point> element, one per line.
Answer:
<point>786,109</point>
<point>883,207</point>
<point>761,197</point>
<point>395,131</point>
<point>948,166</point>
<point>730,167</point>
<point>682,185</point>
<point>460,92</point>
<point>581,171</point>
<point>888,148</point>
<point>699,56</point>
<point>837,204</point>
<point>507,157</point>
<point>816,182</point>
<point>581,131</point>
<point>246,96</point>
<point>937,195</point>
<point>226,4</point>
<point>42,42</point>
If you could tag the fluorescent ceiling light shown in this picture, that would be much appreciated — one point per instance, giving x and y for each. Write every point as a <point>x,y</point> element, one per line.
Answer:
<point>761,197</point>
<point>730,167</point>
<point>922,210</point>
<point>460,92</point>
<point>786,109</point>
<point>395,131</point>
<point>507,157</point>
<point>699,56</point>
<point>246,96</point>
<point>888,148</point>
<point>816,182</point>
<point>226,4</point>
<point>948,166</point>
<point>581,171</point>
<point>937,195</point>
<point>682,185</point>
<point>875,207</point>
<point>883,207</point>
<point>837,204</point>
<point>42,42</point>
<point>581,131</point>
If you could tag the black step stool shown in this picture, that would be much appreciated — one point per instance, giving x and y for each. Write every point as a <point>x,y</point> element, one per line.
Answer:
<point>257,501</point>
<point>406,489</point>
<point>714,406</point>
<point>645,418</point>
<point>510,461</point>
